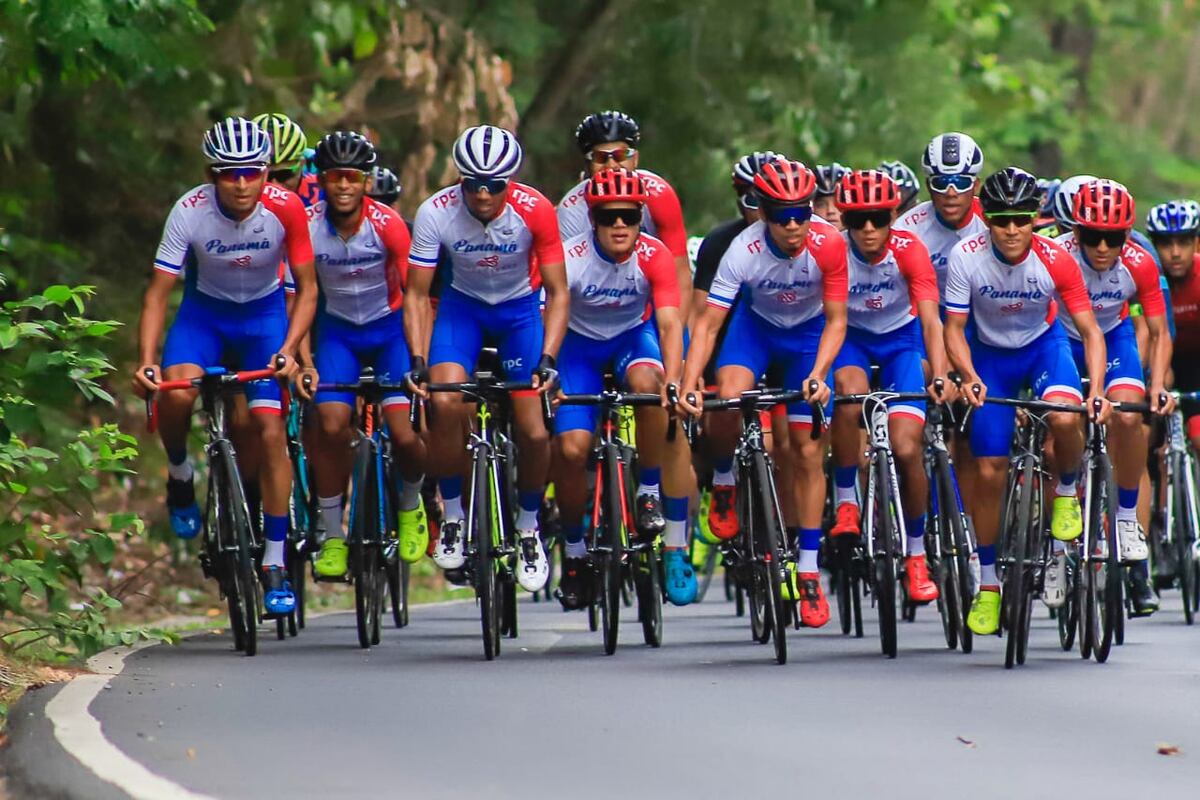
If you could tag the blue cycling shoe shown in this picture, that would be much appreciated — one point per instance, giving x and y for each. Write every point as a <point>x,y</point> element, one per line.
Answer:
<point>681,576</point>
<point>278,598</point>
<point>182,509</point>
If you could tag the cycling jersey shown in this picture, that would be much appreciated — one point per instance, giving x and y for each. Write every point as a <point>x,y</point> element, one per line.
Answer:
<point>784,291</point>
<point>310,190</point>
<point>938,237</point>
<point>883,296</point>
<point>663,219</point>
<point>608,298</point>
<point>493,262</point>
<point>1133,276</point>
<point>362,278</point>
<point>1185,301</point>
<point>713,249</point>
<point>1011,305</point>
<point>227,259</point>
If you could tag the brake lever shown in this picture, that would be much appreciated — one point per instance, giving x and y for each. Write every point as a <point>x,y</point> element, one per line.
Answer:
<point>818,412</point>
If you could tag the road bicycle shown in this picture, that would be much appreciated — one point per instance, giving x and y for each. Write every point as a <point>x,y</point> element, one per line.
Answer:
<point>1176,555</point>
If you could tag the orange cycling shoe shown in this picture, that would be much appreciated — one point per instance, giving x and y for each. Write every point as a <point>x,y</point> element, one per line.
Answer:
<point>814,608</point>
<point>722,514</point>
<point>847,523</point>
<point>917,584</point>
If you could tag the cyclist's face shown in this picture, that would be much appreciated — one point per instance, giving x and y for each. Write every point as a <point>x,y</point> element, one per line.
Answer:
<point>618,239</point>
<point>871,241</point>
<point>1176,254</point>
<point>1102,256</point>
<point>1011,237</point>
<point>824,208</point>
<point>484,205</point>
<point>597,164</point>
<point>344,190</point>
<point>952,205</point>
<point>239,197</point>
<point>287,175</point>
<point>789,238</point>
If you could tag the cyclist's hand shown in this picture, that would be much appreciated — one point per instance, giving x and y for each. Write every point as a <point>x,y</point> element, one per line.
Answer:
<point>545,377</point>
<point>1099,408</point>
<point>975,391</point>
<point>416,377</point>
<point>949,391</point>
<point>285,366</point>
<point>1164,408</point>
<point>692,403</point>
<point>146,385</point>
<point>306,385</point>
<point>670,395</point>
<point>822,394</point>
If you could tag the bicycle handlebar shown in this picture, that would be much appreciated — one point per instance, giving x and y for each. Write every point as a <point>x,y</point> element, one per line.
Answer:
<point>212,374</point>
<point>477,389</point>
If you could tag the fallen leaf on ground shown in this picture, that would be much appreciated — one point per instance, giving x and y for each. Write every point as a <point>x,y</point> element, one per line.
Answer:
<point>213,612</point>
<point>1165,749</point>
<point>965,742</point>
<point>191,752</point>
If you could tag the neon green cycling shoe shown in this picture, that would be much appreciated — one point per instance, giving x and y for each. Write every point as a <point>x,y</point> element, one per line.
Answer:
<point>331,562</point>
<point>700,551</point>
<point>1066,520</point>
<point>984,617</point>
<point>414,533</point>
<point>790,590</point>
<point>703,531</point>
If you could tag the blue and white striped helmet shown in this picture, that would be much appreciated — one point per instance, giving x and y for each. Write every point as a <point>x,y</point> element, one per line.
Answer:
<point>1174,218</point>
<point>1063,204</point>
<point>952,153</point>
<point>486,151</point>
<point>237,141</point>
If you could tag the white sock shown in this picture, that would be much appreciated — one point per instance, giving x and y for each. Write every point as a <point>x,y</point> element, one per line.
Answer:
<point>527,522</point>
<point>1064,489</point>
<point>452,509</point>
<point>577,549</point>
<point>273,555</point>
<point>808,561</point>
<point>723,478</point>
<point>648,488</point>
<point>331,515</point>
<point>1127,514</point>
<point>181,472</point>
<point>987,575</point>
<point>1057,546</point>
<point>916,545</point>
<point>676,534</point>
<point>845,494</point>
<point>410,493</point>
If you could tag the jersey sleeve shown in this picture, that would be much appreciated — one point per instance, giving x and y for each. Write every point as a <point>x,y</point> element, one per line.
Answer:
<point>830,255</point>
<point>572,213</point>
<point>727,282</point>
<point>659,269</point>
<point>426,238</point>
<point>547,242</point>
<point>917,269</point>
<point>298,243</point>
<point>958,284</point>
<point>1146,279</point>
<point>1068,280</point>
<point>396,241</point>
<point>668,219</point>
<point>173,247</point>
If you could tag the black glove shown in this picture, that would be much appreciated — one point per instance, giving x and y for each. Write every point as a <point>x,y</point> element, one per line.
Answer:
<point>546,371</point>
<point>417,373</point>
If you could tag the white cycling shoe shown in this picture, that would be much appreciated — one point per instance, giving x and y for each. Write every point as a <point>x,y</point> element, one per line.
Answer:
<point>533,568</point>
<point>1054,590</point>
<point>1133,540</point>
<point>450,552</point>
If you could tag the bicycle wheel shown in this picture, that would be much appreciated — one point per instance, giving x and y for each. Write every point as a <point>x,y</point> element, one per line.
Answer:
<point>1109,602</point>
<point>399,574</point>
<point>768,533</point>
<point>944,569</point>
<point>1017,603</point>
<point>840,581</point>
<point>363,542</point>
<point>648,587</point>
<point>956,550</point>
<point>885,556</point>
<point>244,595</point>
<point>1067,615</point>
<point>612,522</point>
<point>481,541</point>
<point>1184,533</point>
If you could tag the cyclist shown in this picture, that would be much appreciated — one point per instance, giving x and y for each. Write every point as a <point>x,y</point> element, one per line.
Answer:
<point>502,241</point>
<point>906,180</point>
<point>361,252</point>
<point>1173,228</point>
<point>952,163</point>
<point>828,176</point>
<point>610,139</point>
<point>384,186</point>
<point>232,233</point>
<point>893,321</point>
<point>792,269</point>
<point>1008,280</point>
<point>1062,206</point>
<point>617,275</point>
<point>1048,187</point>
<point>288,146</point>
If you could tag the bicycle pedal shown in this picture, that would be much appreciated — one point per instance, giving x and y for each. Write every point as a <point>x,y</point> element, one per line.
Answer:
<point>324,579</point>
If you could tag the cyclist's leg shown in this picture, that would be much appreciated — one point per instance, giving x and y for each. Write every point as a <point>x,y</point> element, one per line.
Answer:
<point>192,344</point>
<point>332,458</point>
<point>638,360</point>
<point>1056,379</point>
<point>850,376</point>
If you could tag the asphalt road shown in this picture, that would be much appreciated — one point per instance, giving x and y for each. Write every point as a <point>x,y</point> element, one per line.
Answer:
<point>708,715</point>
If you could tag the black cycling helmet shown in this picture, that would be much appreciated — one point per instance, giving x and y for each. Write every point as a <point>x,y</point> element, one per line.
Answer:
<point>1010,189</point>
<point>828,177</point>
<point>345,150</point>
<point>385,186</point>
<point>607,126</point>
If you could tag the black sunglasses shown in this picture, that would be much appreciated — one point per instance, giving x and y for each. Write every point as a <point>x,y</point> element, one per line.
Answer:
<point>607,217</point>
<point>857,220</point>
<point>494,186</point>
<point>1091,237</point>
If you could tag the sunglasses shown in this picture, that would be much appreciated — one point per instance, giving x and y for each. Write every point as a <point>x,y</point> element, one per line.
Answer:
<point>344,174</point>
<point>749,201</point>
<point>782,215</point>
<point>943,183</point>
<point>1090,237</point>
<point>607,217</point>
<point>1021,219</point>
<point>494,186</point>
<point>857,220</point>
<point>280,174</point>
<point>604,156</point>
<point>234,174</point>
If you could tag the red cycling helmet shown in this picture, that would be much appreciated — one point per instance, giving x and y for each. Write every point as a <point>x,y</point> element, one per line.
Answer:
<point>616,186</point>
<point>866,190</point>
<point>1104,205</point>
<point>785,182</point>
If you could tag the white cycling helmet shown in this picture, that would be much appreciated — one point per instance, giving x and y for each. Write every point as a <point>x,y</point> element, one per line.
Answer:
<point>237,141</point>
<point>1064,199</point>
<point>486,151</point>
<point>746,167</point>
<point>952,154</point>
<point>693,250</point>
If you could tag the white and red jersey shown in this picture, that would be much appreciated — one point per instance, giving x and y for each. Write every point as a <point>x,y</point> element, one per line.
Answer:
<point>238,261</point>
<point>663,219</point>
<point>939,239</point>
<point>362,278</point>
<point>492,262</point>
<point>609,298</point>
<point>1133,278</point>
<point>1013,304</point>
<point>884,295</point>
<point>781,290</point>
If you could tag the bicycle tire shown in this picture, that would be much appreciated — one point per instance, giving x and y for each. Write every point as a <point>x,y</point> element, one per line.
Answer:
<point>769,547</point>
<point>398,579</point>
<point>648,588</point>
<point>613,521</point>
<point>750,579</point>
<point>363,542</point>
<point>841,584</point>
<point>1066,614</point>
<point>1183,535</point>
<point>885,557</point>
<point>1014,577</point>
<point>247,592</point>
<point>482,539</point>
<point>1110,604</point>
<point>954,557</point>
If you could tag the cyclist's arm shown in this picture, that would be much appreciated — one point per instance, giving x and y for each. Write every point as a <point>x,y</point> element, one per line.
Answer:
<point>1161,350</point>
<point>558,306</point>
<point>417,310</point>
<point>704,339</point>
<point>659,268</point>
<point>1095,351</point>
<point>154,316</point>
<point>957,349</point>
<point>914,263</point>
<point>935,339</point>
<point>670,337</point>
<point>304,309</point>
<point>1141,332</point>
<point>668,218</point>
